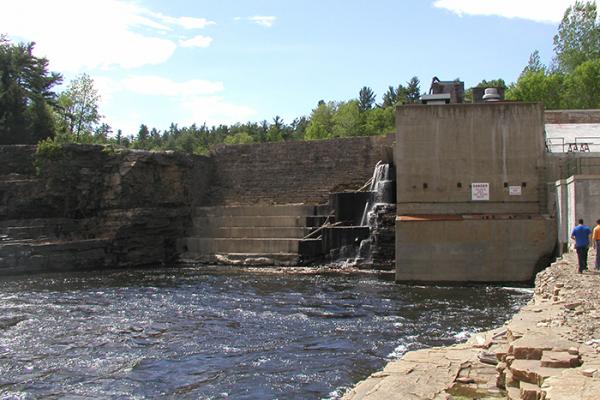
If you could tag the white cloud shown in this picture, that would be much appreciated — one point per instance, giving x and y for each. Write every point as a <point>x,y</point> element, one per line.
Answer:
<point>158,86</point>
<point>263,20</point>
<point>192,101</point>
<point>183,22</point>
<point>77,35</point>
<point>214,110</point>
<point>197,41</point>
<point>548,11</point>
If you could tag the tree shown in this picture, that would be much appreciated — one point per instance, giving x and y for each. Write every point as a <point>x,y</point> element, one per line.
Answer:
<point>379,121</point>
<point>26,96</point>
<point>578,37</point>
<point>79,107</point>
<point>102,133</point>
<point>413,91</point>
<point>366,98</point>
<point>321,121</point>
<point>143,136</point>
<point>534,64</point>
<point>347,119</point>
<point>541,86</point>
<point>275,130</point>
<point>239,138</point>
<point>582,86</point>
<point>390,97</point>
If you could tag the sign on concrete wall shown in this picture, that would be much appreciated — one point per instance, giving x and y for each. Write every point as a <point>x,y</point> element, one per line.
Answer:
<point>514,190</point>
<point>480,191</point>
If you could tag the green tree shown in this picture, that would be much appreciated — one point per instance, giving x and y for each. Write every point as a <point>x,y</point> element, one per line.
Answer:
<point>379,120</point>
<point>275,130</point>
<point>578,37</point>
<point>582,86</point>
<point>412,93</point>
<point>239,138</point>
<point>102,133</point>
<point>390,97</point>
<point>541,86</point>
<point>26,96</point>
<point>534,64</point>
<point>347,119</point>
<point>142,136</point>
<point>321,121</point>
<point>366,98</point>
<point>79,107</point>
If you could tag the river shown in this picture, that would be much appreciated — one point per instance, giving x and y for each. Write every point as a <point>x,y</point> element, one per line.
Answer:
<point>222,334</point>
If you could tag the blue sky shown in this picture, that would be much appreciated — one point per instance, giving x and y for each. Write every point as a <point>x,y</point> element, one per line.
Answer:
<point>184,61</point>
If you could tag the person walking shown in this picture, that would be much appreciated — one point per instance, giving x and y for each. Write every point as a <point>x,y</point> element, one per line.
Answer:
<point>581,235</point>
<point>596,243</point>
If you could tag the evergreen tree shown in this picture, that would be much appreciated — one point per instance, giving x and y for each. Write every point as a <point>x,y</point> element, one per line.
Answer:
<point>390,97</point>
<point>413,91</point>
<point>26,96</point>
<point>366,98</point>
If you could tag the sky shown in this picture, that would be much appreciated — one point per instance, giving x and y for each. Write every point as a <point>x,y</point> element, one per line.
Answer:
<point>226,61</point>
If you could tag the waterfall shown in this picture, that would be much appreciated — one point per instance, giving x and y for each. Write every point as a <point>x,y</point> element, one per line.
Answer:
<point>381,189</point>
<point>380,183</point>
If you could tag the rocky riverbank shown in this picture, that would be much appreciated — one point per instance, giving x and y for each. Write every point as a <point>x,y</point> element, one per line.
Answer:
<point>549,350</point>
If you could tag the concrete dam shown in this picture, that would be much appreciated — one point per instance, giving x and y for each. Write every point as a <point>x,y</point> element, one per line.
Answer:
<point>471,195</point>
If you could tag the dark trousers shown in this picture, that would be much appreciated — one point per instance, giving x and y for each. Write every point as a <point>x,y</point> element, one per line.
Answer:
<point>582,254</point>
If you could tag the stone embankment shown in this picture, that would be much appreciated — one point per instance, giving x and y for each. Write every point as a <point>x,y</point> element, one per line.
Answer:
<point>549,350</point>
<point>89,207</point>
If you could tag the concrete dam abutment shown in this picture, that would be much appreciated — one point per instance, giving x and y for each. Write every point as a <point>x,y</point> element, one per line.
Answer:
<point>475,200</point>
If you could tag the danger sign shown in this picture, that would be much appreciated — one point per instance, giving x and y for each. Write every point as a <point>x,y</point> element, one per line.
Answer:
<point>480,191</point>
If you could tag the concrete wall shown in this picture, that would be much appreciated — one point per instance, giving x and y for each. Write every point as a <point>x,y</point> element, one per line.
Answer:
<point>443,231</point>
<point>562,222</point>
<point>294,172</point>
<point>564,165</point>
<point>442,150</point>
<point>583,201</point>
<point>463,249</point>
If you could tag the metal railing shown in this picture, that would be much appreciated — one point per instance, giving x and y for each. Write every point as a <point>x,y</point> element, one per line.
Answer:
<point>582,144</point>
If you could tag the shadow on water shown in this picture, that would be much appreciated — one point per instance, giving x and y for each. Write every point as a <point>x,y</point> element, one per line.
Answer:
<point>187,333</point>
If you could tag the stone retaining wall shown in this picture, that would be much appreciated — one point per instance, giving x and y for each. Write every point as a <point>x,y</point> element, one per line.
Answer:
<point>294,172</point>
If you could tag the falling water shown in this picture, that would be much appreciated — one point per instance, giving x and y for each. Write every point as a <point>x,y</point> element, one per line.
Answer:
<point>380,190</point>
<point>379,183</point>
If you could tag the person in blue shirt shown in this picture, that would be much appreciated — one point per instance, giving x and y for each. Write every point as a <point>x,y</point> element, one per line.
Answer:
<point>581,235</point>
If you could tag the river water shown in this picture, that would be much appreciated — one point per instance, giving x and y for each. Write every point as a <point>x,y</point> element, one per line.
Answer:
<point>196,334</point>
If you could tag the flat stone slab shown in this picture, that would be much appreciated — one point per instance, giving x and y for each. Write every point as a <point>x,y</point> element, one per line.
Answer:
<point>422,374</point>
<point>572,385</point>
<point>531,371</point>
<point>531,347</point>
<point>560,359</point>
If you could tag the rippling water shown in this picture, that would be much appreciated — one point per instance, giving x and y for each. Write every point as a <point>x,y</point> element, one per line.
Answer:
<point>189,333</point>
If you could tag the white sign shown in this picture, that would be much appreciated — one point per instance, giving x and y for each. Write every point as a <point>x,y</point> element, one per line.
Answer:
<point>514,190</point>
<point>480,191</point>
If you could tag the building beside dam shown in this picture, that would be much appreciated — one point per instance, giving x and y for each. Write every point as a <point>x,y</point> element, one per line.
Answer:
<point>484,192</point>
